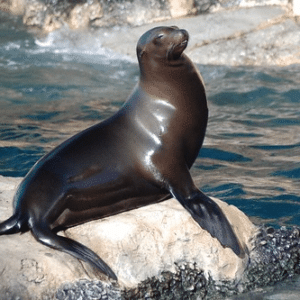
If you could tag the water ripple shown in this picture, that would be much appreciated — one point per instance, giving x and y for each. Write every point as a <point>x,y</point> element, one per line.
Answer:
<point>17,161</point>
<point>56,87</point>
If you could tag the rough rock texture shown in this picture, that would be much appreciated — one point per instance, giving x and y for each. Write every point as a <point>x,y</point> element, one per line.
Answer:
<point>16,7</point>
<point>254,35</point>
<point>272,44</point>
<point>274,262</point>
<point>81,15</point>
<point>167,233</point>
<point>29,270</point>
<point>50,15</point>
<point>137,245</point>
<point>88,290</point>
<point>274,259</point>
<point>275,256</point>
<point>181,8</point>
<point>249,36</point>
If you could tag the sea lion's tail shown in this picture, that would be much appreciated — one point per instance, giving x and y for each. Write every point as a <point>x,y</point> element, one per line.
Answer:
<point>44,235</point>
<point>12,225</point>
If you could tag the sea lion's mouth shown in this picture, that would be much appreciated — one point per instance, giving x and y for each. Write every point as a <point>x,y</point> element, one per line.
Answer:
<point>181,38</point>
<point>176,50</point>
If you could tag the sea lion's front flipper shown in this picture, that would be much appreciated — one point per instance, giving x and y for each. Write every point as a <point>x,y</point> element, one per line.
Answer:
<point>44,235</point>
<point>211,218</point>
<point>204,211</point>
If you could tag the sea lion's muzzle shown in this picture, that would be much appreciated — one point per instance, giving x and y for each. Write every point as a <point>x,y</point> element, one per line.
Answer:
<point>181,38</point>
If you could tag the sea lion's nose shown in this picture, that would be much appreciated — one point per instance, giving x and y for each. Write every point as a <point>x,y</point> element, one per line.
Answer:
<point>185,34</point>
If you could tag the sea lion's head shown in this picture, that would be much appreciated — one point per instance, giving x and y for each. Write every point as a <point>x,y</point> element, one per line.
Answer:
<point>162,43</point>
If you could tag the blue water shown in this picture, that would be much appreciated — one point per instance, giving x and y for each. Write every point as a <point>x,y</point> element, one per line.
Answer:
<point>52,87</point>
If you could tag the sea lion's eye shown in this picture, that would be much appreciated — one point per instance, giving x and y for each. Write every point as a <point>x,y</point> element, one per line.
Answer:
<point>158,38</point>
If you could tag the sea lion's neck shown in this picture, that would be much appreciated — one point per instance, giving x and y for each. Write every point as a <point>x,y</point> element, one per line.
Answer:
<point>162,69</point>
<point>168,80</point>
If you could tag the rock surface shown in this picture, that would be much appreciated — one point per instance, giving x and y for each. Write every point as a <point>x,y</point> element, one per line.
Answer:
<point>273,265</point>
<point>238,32</point>
<point>248,36</point>
<point>137,245</point>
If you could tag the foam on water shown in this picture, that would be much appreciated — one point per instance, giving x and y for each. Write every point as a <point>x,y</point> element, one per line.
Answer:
<point>81,43</point>
<point>24,50</point>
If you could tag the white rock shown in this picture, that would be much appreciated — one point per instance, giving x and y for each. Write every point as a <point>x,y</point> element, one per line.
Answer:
<point>16,7</point>
<point>136,244</point>
<point>181,8</point>
<point>82,14</point>
<point>296,7</point>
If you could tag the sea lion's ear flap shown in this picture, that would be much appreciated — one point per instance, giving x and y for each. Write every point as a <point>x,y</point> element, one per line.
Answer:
<point>140,51</point>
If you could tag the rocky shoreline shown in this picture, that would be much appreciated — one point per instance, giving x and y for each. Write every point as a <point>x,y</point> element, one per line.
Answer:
<point>50,15</point>
<point>231,33</point>
<point>139,244</point>
<point>257,36</point>
<point>275,258</point>
<point>167,262</point>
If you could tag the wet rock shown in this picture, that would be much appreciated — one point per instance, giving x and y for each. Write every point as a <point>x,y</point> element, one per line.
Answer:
<point>140,244</point>
<point>152,259</point>
<point>188,282</point>
<point>276,255</point>
<point>275,258</point>
<point>88,290</point>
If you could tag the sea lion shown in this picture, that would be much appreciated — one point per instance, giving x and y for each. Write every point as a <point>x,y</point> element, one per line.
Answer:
<point>140,155</point>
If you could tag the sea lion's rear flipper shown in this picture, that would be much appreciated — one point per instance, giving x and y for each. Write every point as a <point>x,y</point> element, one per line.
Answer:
<point>44,235</point>
<point>12,225</point>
